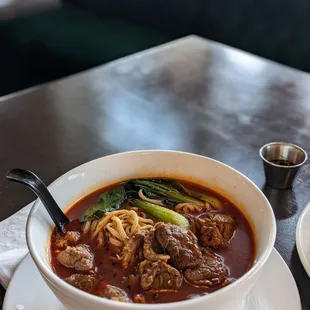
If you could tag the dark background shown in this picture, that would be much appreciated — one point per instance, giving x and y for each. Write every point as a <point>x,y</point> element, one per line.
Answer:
<point>85,33</point>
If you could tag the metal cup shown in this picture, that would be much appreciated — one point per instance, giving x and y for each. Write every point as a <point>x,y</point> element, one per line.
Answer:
<point>282,162</point>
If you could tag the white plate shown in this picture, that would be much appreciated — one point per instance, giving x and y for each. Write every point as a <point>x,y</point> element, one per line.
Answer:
<point>302,238</point>
<point>27,291</point>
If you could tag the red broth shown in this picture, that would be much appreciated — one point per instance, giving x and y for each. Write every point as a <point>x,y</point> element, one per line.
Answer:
<point>238,256</point>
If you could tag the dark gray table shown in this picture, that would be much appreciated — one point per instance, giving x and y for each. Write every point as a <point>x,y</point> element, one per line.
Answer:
<point>191,95</point>
<point>11,9</point>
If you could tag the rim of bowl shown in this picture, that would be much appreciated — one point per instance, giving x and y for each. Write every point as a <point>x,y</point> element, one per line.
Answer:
<point>283,143</point>
<point>52,277</point>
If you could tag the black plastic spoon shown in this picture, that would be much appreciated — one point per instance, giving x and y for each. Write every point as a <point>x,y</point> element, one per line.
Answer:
<point>32,181</point>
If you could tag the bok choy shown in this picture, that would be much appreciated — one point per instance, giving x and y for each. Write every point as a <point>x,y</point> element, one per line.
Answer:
<point>155,189</point>
<point>108,201</point>
<point>161,213</point>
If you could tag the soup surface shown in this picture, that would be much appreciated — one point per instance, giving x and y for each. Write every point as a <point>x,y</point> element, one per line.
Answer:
<point>153,241</point>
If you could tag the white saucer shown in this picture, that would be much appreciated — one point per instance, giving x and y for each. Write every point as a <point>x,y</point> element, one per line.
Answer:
<point>302,238</point>
<point>27,290</point>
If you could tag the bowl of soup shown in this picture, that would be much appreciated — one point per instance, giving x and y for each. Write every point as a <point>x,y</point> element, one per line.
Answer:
<point>153,229</point>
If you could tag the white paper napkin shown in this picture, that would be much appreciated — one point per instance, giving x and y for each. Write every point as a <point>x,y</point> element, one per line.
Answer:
<point>13,246</point>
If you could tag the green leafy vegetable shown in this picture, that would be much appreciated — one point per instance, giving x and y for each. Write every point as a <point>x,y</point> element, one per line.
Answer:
<point>108,201</point>
<point>151,194</point>
<point>161,213</point>
<point>154,189</point>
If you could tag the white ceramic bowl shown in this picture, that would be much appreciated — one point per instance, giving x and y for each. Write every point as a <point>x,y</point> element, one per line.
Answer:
<point>107,170</point>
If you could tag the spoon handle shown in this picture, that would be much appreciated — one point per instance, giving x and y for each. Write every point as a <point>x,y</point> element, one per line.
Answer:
<point>33,182</point>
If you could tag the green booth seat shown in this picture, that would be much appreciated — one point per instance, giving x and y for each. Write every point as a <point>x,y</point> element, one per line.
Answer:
<point>67,40</point>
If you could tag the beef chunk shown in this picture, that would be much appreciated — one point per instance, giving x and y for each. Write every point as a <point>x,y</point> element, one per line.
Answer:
<point>69,238</point>
<point>152,250</point>
<point>84,282</point>
<point>115,293</point>
<point>209,272</point>
<point>159,276</point>
<point>192,222</point>
<point>133,248</point>
<point>78,257</point>
<point>179,243</point>
<point>216,229</point>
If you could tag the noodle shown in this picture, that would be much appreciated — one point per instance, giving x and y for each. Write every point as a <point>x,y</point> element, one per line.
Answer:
<point>136,221</point>
<point>86,227</point>
<point>113,231</point>
<point>120,228</point>
<point>117,227</point>
<point>93,225</point>
<point>100,239</point>
<point>187,208</point>
<point>154,201</point>
<point>138,211</point>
